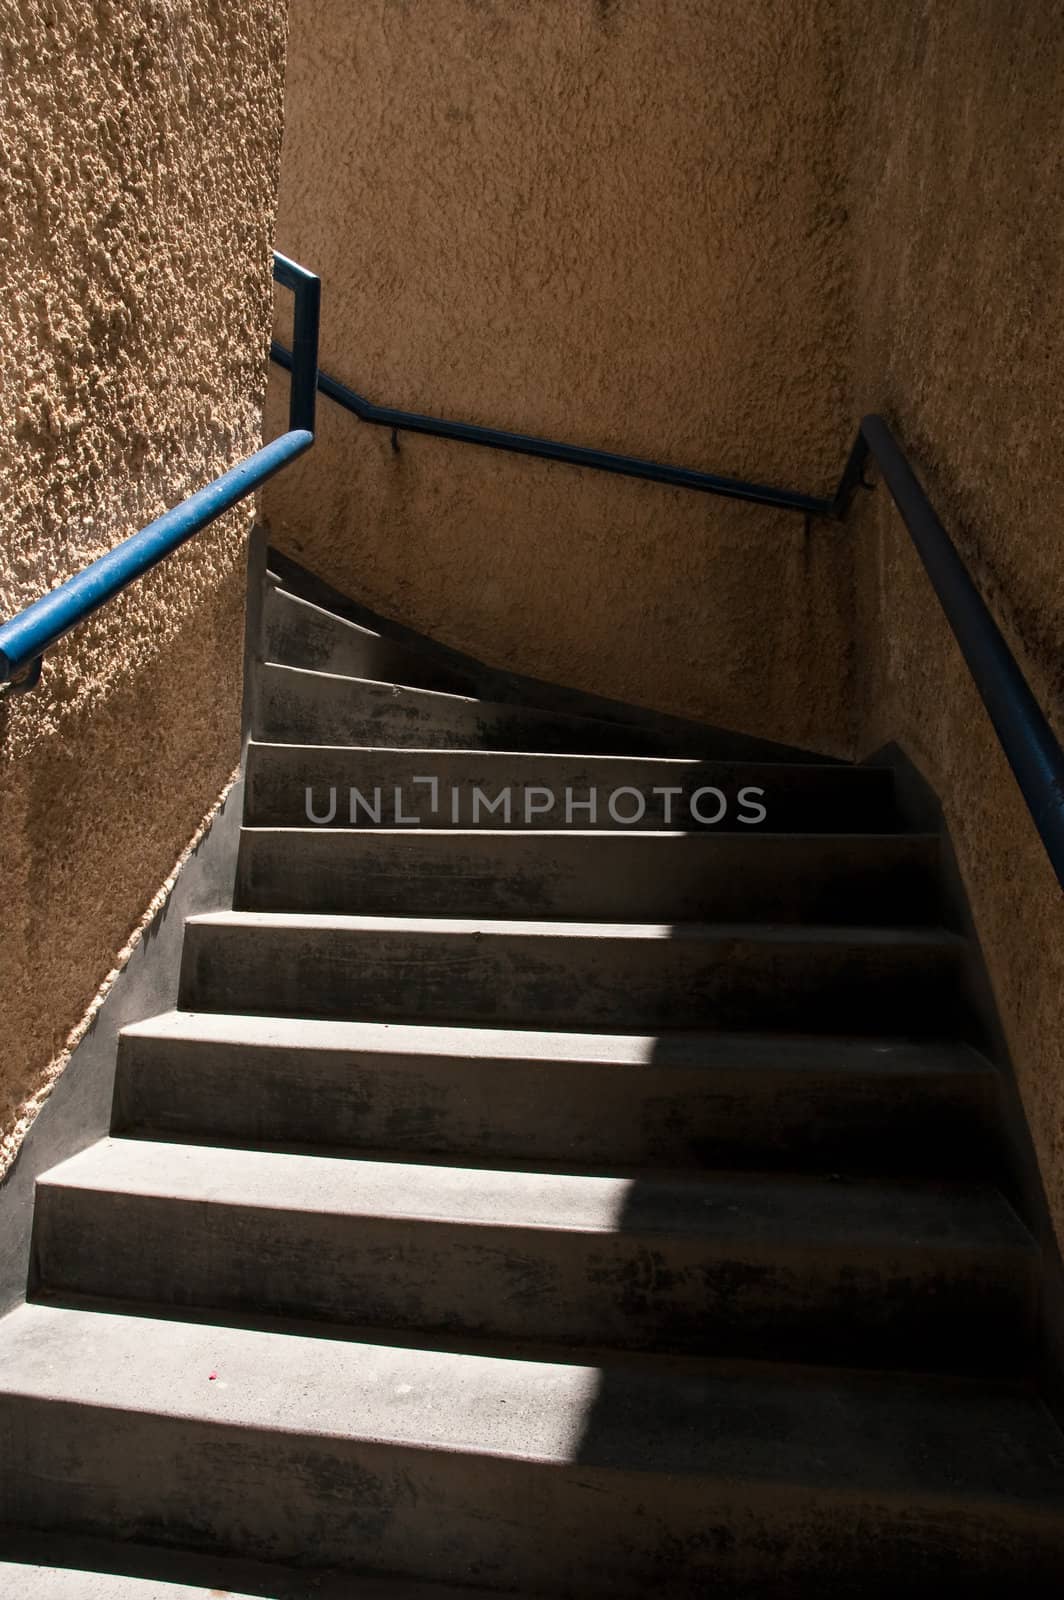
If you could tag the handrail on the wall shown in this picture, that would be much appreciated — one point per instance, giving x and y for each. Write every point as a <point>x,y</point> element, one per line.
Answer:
<point>1032,748</point>
<point>25,638</point>
<point>574,455</point>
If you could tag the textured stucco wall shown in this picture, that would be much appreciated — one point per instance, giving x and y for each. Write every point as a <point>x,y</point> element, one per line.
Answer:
<point>616,222</point>
<point>958,126</point>
<point>138,170</point>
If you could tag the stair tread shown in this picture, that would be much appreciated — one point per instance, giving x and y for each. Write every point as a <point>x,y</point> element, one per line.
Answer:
<point>301,633</point>
<point>37,1566</point>
<point>787,1052</point>
<point>342,625</point>
<point>764,1211</point>
<point>387,683</point>
<point>449,697</point>
<point>758,932</point>
<point>598,837</point>
<point>957,1439</point>
<point>876,776</point>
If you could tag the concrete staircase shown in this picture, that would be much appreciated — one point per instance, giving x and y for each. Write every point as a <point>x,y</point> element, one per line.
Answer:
<point>595,1210</point>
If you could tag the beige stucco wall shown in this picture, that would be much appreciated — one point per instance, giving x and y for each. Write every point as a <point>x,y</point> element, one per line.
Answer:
<point>613,223</point>
<point>958,120</point>
<point>138,171</point>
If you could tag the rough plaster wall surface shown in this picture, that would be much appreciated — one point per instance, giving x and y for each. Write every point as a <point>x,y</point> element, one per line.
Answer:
<point>138,168</point>
<point>958,121</point>
<point>615,222</point>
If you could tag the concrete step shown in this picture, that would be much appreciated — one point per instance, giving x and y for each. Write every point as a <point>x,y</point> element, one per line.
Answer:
<point>667,877</point>
<point>576,1480</point>
<point>869,1273</point>
<point>605,976</point>
<point>51,1566</point>
<point>552,791</point>
<point>299,634</point>
<point>297,706</point>
<point>815,1104</point>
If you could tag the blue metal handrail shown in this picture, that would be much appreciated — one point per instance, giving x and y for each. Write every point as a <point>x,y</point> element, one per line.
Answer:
<point>1032,748</point>
<point>1030,745</point>
<point>24,640</point>
<point>574,455</point>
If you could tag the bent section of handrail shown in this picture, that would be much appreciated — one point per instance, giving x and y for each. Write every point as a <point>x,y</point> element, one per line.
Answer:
<point>306,316</point>
<point>1030,745</point>
<point>25,638</point>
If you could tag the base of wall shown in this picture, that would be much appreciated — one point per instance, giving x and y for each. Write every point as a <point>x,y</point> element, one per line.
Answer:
<point>78,1110</point>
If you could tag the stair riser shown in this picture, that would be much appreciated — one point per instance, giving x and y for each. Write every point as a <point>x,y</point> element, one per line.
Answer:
<point>609,877</point>
<point>301,635</point>
<point>314,709</point>
<point>906,1303</point>
<point>558,981</point>
<point>571,1531</point>
<point>584,1112</point>
<point>796,799</point>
